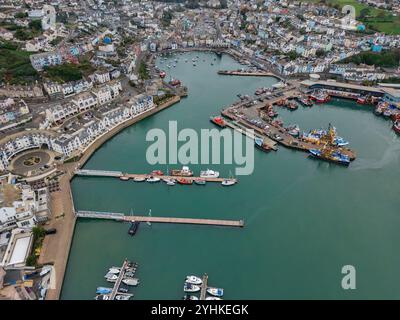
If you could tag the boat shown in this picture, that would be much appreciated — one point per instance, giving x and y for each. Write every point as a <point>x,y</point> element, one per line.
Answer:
<point>111,276</point>
<point>114,270</point>
<point>361,100</point>
<point>157,173</point>
<point>216,292</point>
<point>193,280</point>
<point>259,144</point>
<point>329,155</point>
<point>219,121</point>
<point>396,126</point>
<point>133,228</point>
<point>259,91</point>
<point>209,174</point>
<point>228,182</point>
<point>339,141</point>
<point>279,85</point>
<point>123,296</point>
<point>293,130</point>
<point>184,181</point>
<point>170,182</point>
<point>102,297</point>
<point>188,287</point>
<point>139,179</point>
<point>306,102</point>
<point>153,179</point>
<point>213,298</point>
<point>190,297</point>
<point>320,97</point>
<point>103,290</point>
<point>124,178</point>
<point>45,270</point>
<point>201,182</point>
<point>184,172</point>
<point>131,281</point>
<point>387,113</point>
<point>162,74</point>
<point>175,82</point>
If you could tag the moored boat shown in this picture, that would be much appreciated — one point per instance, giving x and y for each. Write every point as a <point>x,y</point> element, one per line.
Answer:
<point>114,270</point>
<point>228,182</point>
<point>102,297</point>
<point>157,173</point>
<point>103,290</point>
<point>153,179</point>
<point>259,144</point>
<point>139,179</point>
<point>124,178</point>
<point>216,292</point>
<point>332,156</point>
<point>123,296</point>
<point>219,121</point>
<point>184,181</point>
<point>131,281</point>
<point>209,174</point>
<point>188,287</point>
<point>133,228</point>
<point>193,280</point>
<point>162,74</point>
<point>201,182</point>
<point>184,172</point>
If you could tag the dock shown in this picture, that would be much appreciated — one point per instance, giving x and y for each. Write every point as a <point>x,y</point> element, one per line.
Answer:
<point>117,283</point>
<point>128,218</point>
<point>247,73</point>
<point>204,285</point>
<point>119,174</point>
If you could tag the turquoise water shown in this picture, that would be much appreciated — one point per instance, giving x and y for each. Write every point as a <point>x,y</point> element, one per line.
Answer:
<point>304,219</point>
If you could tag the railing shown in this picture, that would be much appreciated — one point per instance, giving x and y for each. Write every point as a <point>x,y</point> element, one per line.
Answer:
<point>99,173</point>
<point>100,215</point>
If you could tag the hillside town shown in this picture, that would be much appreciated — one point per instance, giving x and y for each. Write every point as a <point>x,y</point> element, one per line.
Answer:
<point>73,73</point>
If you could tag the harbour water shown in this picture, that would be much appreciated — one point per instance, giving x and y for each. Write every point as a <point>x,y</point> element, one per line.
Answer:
<point>304,219</point>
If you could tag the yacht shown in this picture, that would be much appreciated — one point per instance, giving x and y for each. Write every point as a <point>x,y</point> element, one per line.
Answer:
<point>103,290</point>
<point>200,182</point>
<point>111,276</point>
<point>102,297</point>
<point>131,281</point>
<point>228,182</point>
<point>188,287</point>
<point>209,174</point>
<point>170,182</point>
<point>114,270</point>
<point>193,280</point>
<point>123,297</point>
<point>153,179</point>
<point>216,292</point>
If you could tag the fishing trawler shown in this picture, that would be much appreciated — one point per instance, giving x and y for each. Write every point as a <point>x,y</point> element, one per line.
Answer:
<point>201,182</point>
<point>218,121</point>
<point>331,155</point>
<point>259,144</point>
<point>124,178</point>
<point>184,172</point>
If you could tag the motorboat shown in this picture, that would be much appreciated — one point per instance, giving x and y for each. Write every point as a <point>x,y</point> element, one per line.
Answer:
<point>103,290</point>
<point>193,280</point>
<point>216,292</point>
<point>184,172</point>
<point>219,121</point>
<point>153,179</point>
<point>170,182</point>
<point>114,270</point>
<point>157,173</point>
<point>396,126</point>
<point>123,296</point>
<point>124,178</point>
<point>188,287</point>
<point>200,182</point>
<point>139,179</point>
<point>209,174</point>
<point>111,276</point>
<point>228,182</point>
<point>102,297</point>
<point>213,298</point>
<point>190,297</point>
<point>131,281</point>
<point>184,181</point>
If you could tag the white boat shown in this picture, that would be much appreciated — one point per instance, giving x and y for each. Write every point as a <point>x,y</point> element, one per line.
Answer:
<point>45,270</point>
<point>170,182</point>
<point>123,297</point>
<point>131,281</point>
<point>153,179</point>
<point>188,287</point>
<point>114,270</point>
<point>193,280</point>
<point>216,292</point>
<point>209,174</point>
<point>111,276</point>
<point>102,297</point>
<point>279,85</point>
<point>213,298</point>
<point>228,183</point>
<point>139,179</point>
<point>189,297</point>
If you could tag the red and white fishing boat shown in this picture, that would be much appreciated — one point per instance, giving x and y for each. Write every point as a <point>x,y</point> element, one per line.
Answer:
<point>184,181</point>
<point>219,121</point>
<point>157,173</point>
<point>320,97</point>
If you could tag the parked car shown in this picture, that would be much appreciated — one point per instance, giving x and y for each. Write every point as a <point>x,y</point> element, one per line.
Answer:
<point>51,231</point>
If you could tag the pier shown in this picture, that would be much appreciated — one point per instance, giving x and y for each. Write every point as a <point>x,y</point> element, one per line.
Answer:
<point>117,283</point>
<point>119,174</point>
<point>121,217</point>
<point>204,285</point>
<point>258,73</point>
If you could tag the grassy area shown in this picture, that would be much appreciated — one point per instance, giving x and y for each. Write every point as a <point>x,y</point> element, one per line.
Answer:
<point>15,66</point>
<point>143,72</point>
<point>386,59</point>
<point>38,236</point>
<point>377,19</point>
<point>69,71</point>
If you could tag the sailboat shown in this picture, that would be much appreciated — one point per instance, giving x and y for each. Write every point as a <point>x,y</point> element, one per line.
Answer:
<point>148,222</point>
<point>229,182</point>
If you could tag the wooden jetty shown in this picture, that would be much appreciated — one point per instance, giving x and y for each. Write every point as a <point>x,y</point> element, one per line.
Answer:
<point>121,217</point>
<point>204,285</point>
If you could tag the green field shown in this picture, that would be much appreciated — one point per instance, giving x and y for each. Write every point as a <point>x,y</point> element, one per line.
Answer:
<point>377,20</point>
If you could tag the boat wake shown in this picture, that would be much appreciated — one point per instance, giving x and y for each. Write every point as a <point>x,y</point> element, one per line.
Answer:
<point>391,155</point>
